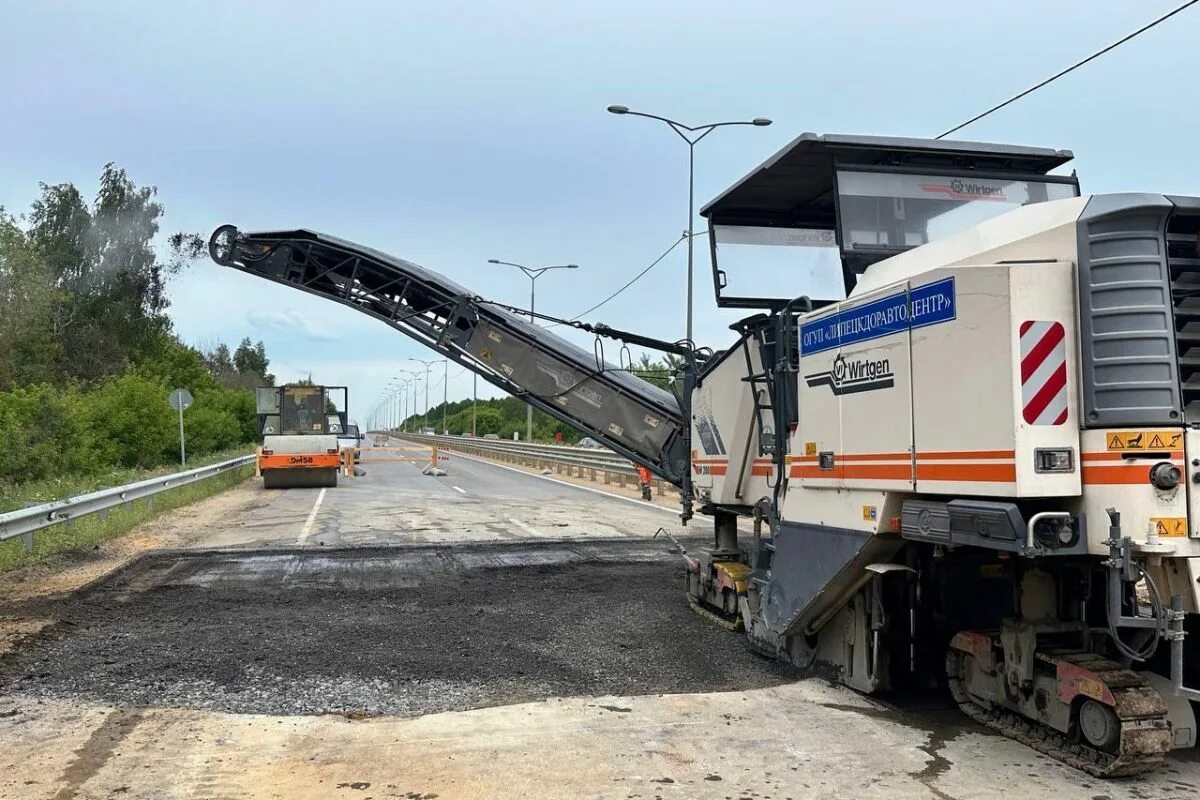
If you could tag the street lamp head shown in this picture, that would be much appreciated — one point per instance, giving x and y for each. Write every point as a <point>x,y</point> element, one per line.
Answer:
<point>493,261</point>
<point>761,122</point>
<point>572,266</point>
<point>618,109</point>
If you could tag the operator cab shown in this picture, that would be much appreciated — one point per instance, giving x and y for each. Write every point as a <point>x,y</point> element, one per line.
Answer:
<point>296,410</point>
<point>815,215</point>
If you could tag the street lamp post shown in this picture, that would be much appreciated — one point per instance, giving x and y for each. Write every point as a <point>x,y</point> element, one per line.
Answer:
<point>402,400</point>
<point>534,273</point>
<point>393,410</point>
<point>413,410</point>
<point>688,134</point>
<point>411,381</point>
<point>445,392</point>
<point>401,396</point>
<point>428,364</point>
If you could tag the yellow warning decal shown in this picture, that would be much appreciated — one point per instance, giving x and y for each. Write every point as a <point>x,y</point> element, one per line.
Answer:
<point>1143,440</point>
<point>810,448</point>
<point>1170,526</point>
<point>870,513</point>
<point>1092,688</point>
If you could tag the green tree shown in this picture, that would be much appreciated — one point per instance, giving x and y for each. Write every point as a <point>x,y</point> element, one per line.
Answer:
<point>251,359</point>
<point>111,288</point>
<point>87,356</point>
<point>219,361</point>
<point>28,297</point>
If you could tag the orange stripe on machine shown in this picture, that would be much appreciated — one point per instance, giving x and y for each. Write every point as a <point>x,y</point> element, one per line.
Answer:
<point>1112,469</point>
<point>949,466</point>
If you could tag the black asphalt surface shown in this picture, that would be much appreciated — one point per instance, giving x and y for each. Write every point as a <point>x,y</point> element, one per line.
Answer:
<point>369,603</point>
<point>401,631</point>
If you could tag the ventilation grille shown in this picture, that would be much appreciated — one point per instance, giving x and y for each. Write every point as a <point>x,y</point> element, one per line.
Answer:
<point>1183,259</point>
<point>1127,335</point>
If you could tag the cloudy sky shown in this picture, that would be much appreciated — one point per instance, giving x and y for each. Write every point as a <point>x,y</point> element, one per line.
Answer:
<point>449,132</point>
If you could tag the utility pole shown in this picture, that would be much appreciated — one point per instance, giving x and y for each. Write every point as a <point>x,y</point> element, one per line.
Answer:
<point>474,399</point>
<point>534,273</point>
<point>703,130</point>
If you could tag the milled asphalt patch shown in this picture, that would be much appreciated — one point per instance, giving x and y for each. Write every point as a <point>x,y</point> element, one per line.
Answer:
<point>398,631</point>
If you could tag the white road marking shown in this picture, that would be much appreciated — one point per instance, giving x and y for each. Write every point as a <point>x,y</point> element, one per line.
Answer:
<point>523,526</point>
<point>459,489</point>
<point>312,517</point>
<point>635,501</point>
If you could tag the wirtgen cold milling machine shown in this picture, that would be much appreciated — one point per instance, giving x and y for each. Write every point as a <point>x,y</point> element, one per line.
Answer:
<point>976,470</point>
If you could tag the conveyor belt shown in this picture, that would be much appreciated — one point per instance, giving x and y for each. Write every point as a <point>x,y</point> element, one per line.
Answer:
<point>631,416</point>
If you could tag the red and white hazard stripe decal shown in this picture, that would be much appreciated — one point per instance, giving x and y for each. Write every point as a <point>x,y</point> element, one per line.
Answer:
<point>1043,373</point>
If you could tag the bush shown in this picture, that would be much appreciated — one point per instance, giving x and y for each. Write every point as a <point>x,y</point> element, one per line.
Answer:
<point>133,424</point>
<point>44,434</point>
<point>209,428</point>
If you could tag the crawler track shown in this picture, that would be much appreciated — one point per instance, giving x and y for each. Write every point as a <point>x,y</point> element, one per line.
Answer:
<point>734,624</point>
<point>1144,740</point>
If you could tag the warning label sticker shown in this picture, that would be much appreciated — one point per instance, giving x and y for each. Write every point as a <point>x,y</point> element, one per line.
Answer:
<point>1122,441</point>
<point>1170,526</point>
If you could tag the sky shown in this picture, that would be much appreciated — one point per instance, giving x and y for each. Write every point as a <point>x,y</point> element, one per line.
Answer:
<point>449,133</point>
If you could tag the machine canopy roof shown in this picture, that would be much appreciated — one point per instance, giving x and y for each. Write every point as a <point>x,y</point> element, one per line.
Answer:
<point>795,187</point>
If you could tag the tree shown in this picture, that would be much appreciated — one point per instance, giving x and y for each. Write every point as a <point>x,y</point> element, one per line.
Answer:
<point>87,355</point>
<point>251,359</point>
<point>261,360</point>
<point>28,295</point>
<point>110,298</point>
<point>219,360</point>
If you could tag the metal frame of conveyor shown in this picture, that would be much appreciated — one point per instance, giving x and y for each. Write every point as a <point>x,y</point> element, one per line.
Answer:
<point>633,417</point>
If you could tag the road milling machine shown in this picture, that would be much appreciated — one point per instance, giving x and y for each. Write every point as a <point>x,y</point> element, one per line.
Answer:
<point>300,426</point>
<point>960,425</point>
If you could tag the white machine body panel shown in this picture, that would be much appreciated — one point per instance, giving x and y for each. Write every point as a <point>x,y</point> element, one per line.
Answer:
<point>945,374</point>
<point>728,465</point>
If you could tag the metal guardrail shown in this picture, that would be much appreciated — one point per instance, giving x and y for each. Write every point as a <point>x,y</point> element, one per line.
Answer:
<point>25,522</point>
<point>593,463</point>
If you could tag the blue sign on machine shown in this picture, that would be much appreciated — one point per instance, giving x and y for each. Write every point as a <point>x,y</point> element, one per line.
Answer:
<point>924,305</point>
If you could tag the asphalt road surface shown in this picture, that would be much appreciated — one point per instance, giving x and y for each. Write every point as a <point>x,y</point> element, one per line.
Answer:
<point>394,503</point>
<point>489,633</point>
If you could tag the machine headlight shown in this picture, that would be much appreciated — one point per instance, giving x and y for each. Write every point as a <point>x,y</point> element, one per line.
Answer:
<point>1054,459</point>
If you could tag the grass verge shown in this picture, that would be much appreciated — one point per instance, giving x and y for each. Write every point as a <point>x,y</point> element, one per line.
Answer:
<point>96,528</point>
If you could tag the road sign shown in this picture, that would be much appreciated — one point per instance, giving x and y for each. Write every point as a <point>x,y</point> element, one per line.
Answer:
<point>180,399</point>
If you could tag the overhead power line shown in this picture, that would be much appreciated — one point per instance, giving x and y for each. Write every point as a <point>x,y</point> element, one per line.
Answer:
<point>1071,68</point>
<point>632,280</point>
